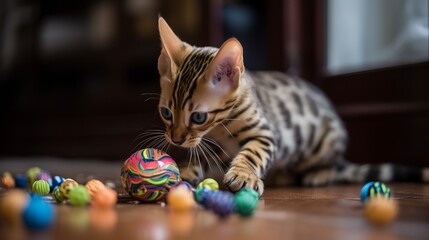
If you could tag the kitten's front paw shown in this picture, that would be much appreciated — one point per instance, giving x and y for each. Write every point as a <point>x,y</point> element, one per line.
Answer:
<point>237,178</point>
<point>192,175</point>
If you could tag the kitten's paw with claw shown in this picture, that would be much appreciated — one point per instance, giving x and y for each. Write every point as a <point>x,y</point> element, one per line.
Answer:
<point>192,175</point>
<point>237,178</point>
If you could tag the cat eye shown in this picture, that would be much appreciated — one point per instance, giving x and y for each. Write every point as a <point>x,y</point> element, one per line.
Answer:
<point>198,117</point>
<point>166,113</point>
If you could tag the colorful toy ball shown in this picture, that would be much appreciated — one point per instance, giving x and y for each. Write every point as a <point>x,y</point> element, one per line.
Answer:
<point>104,198</point>
<point>32,174</point>
<point>21,181</point>
<point>12,205</point>
<point>44,175</point>
<point>180,198</point>
<point>56,181</point>
<point>373,189</point>
<point>40,187</point>
<point>79,196</point>
<point>66,186</point>
<point>210,183</point>
<point>39,214</point>
<point>93,186</point>
<point>380,210</point>
<point>7,180</point>
<point>221,202</point>
<point>246,201</point>
<point>149,174</point>
<point>56,195</point>
<point>183,184</point>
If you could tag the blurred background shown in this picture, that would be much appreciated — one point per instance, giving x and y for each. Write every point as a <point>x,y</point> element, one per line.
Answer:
<point>72,73</point>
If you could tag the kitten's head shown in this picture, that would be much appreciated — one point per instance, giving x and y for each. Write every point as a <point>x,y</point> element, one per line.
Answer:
<point>199,86</point>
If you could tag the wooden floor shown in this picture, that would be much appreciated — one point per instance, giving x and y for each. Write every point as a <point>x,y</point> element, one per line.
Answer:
<point>333,212</point>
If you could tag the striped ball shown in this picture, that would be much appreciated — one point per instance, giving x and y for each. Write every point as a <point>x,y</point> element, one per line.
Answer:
<point>40,187</point>
<point>56,195</point>
<point>210,183</point>
<point>56,181</point>
<point>374,189</point>
<point>149,174</point>
<point>221,202</point>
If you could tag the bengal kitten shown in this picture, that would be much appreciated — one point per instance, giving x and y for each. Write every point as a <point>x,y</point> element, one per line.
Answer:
<point>262,121</point>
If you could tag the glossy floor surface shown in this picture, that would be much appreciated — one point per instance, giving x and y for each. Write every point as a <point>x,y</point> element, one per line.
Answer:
<point>333,212</point>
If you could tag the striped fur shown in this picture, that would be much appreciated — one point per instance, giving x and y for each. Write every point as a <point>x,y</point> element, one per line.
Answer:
<point>269,125</point>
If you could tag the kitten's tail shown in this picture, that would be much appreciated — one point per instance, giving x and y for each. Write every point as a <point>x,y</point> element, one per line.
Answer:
<point>385,172</point>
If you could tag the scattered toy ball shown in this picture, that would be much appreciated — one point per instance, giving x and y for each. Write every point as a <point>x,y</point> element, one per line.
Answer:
<point>180,198</point>
<point>79,196</point>
<point>380,210</point>
<point>148,175</point>
<point>220,202</point>
<point>56,195</point>
<point>44,175</point>
<point>210,183</point>
<point>21,181</point>
<point>94,186</point>
<point>7,180</point>
<point>55,182</point>
<point>373,189</point>
<point>183,184</point>
<point>104,198</point>
<point>40,187</point>
<point>12,205</point>
<point>246,201</point>
<point>66,186</point>
<point>38,215</point>
<point>32,174</point>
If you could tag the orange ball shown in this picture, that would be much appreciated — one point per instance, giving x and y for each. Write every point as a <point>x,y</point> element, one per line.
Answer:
<point>381,210</point>
<point>104,198</point>
<point>94,186</point>
<point>180,199</point>
<point>12,205</point>
<point>7,180</point>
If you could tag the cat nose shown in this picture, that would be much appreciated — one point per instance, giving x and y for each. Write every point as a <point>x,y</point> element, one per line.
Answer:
<point>179,141</point>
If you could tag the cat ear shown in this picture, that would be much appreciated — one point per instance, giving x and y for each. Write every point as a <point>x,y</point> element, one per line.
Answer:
<point>224,72</point>
<point>172,47</point>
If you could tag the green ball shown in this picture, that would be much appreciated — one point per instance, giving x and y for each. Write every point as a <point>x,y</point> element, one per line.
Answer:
<point>210,183</point>
<point>32,174</point>
<point>246,202</point>
<point>40,187</point>
<point>56,195</point>
<point>79,196</point>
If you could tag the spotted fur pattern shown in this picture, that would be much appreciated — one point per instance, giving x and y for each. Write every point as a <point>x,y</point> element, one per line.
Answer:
<point>269,125</point>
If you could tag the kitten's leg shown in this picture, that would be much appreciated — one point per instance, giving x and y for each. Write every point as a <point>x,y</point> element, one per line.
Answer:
<point>248,167</point>
<point>319,177</point>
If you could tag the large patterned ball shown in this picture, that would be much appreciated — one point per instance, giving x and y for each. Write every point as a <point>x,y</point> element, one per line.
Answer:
<point>374,189</point>
<point>149,174</point>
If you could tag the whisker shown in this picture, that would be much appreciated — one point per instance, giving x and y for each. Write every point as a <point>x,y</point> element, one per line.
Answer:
<point>214,156</point>
<point>205,156</point>
<point>227,130</point>
<point>212,141</point>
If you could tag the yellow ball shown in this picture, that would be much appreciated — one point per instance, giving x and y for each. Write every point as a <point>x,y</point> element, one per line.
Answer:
<point>67,186</point>
<point>180,199</point>
<point>381,210</point>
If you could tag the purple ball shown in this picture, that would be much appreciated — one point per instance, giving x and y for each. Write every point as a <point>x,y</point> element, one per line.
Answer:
<point>43,175</point>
